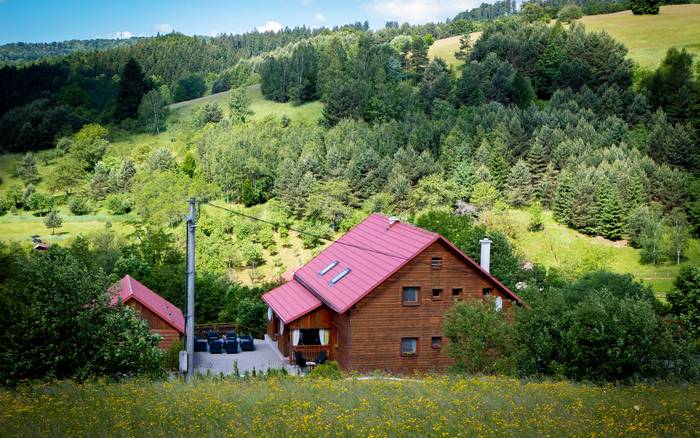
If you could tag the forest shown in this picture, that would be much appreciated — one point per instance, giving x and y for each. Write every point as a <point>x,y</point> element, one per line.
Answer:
<point>537,116</point>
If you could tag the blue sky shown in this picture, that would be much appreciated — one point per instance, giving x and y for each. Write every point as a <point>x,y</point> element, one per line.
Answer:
<point>57,20</point>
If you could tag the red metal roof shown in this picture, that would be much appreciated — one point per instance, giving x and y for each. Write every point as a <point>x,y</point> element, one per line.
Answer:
<point>128,288</point>
<point>372,251</point>
<point>290,301</point>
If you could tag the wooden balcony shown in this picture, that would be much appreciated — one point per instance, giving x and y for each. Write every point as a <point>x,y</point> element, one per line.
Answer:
<point>309,352</point>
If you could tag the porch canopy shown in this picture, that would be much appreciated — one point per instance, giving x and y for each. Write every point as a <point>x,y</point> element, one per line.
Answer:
<point>291,301</point>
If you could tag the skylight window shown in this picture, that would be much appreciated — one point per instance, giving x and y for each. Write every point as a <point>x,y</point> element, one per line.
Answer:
<point>328,268</point>
<point>338,277</point>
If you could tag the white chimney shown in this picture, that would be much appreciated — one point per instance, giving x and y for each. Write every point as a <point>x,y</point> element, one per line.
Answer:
<point>485,254</point>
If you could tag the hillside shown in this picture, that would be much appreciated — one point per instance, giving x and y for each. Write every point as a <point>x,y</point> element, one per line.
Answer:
<point>446,48</point>
<point>649,36</point>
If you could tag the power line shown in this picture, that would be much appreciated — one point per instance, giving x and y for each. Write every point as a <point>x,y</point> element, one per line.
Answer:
<point>319,237</point>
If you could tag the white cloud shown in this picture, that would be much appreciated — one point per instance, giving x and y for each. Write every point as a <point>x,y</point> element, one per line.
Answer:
<point>418,11</point>
<point>319,16</point>
<point>163,28</point>
<point>123,34</point>
<point>271,26</point>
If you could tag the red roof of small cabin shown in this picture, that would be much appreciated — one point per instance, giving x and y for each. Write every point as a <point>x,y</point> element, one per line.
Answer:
<point>128,288</point>
<point>291,300</point>
<point>368,254</point>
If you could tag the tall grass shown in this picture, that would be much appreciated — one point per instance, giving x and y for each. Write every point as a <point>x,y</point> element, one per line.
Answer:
<point>293,406</point>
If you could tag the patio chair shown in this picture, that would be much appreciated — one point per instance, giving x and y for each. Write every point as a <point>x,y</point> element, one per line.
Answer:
<point>231,346</point>
<point>247,343</point>
<point>300,361</point>
<point>231,334</point>
<point>321,358</point>
<point>200,344</point>
<point>216,347</point>
<point>212,336</point>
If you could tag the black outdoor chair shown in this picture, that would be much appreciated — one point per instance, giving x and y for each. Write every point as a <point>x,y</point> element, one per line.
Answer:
<point>247,343</point>
<point>231,345</point>
<point>200,344</point>
<point>231,334</point>
<point>321,358</point>
<point>300,361</point>
<point>212,336</point>
<point>216,347</point>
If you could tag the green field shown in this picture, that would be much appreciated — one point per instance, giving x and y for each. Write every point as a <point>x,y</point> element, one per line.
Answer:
<point>446,48</point>
<point>308,112</point>
<point>560,247</point>
<point>648,37</point>
<point>295,406</point>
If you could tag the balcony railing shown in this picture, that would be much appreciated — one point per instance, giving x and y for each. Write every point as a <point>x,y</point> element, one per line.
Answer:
<point>308,352</point>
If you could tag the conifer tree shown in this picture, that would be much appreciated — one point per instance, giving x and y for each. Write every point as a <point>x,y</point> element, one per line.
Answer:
<point>519,189</point>
<point>419,57</point>
<point>522,91</point>
<point>610,220</point>
<point>132,86</point>
<point>465,44</point>
<point>498,167</point>
<point>564,198</point>
<point>538,164</point>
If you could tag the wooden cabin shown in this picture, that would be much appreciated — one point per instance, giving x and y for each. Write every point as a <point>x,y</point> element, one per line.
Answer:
<point>162,317</point>
<point>375,299</point>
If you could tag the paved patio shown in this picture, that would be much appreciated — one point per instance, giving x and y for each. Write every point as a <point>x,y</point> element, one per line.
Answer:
<point>262,359</point>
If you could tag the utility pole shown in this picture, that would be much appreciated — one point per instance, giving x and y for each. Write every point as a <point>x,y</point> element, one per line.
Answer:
<point>190,290</point>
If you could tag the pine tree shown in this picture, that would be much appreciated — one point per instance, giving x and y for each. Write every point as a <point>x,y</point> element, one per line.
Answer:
<point>522,91</point>
<point>419,58</point>
<point>132,86</point>
<point>519,189</point>
<point>538,164</point>
<point>498,167</point>
<point>465,44</point>
<point>564,198</point>
<point>610,218</point>
<point>26,169</point>
<point>239,104</point>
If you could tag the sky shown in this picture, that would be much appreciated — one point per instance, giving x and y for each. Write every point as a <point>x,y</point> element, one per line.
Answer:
<point>58,20</point>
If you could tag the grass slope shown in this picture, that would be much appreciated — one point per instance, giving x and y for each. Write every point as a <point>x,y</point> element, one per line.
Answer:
<point>446,48</point>
<point>308,112</point>
<point>560,247</point>
<point>296,406</point>
<point>648,37</point>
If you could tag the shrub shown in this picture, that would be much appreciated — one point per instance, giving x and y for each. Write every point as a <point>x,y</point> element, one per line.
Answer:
<point>599,336</point>
<point>684,298</point>
<point>40,203</point>
<point>209,113</point>
<point>119,203</point>
<point>536,223</point>
<point>4,206</point>
<point>251,252</point>
<point>79,205</point>
<point>171,356</point>
<point>569,13</point>
<point>481,338</point>
<point>328,370</point>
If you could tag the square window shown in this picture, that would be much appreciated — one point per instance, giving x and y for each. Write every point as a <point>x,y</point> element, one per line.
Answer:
<point>437,294</point>
<point>436,262</point>
<point>486,291</point>
<point>436,342</point>
<point>409,346</point>
<point>456,292</point>
<point>410,296</point>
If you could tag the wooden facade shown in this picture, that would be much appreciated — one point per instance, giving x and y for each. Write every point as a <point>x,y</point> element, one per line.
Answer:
<point>368,336</point>
<point>156,324</point>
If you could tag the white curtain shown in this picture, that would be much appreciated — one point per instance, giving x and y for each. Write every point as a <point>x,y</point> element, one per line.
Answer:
<point>269,313</point>
<point>499,304</point>
<point>324,336</point>
<point>281,327</point>
<point>295,337</point>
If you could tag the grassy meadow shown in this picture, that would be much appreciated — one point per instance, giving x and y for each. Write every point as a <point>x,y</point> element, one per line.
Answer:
<point>446,48</point>
<point>648,37</point>
<point>261,107</point>
<point>560,247</point>
<point>293,406</point>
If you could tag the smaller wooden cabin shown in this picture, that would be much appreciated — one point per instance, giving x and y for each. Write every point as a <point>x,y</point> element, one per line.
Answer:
<point>161,316</point>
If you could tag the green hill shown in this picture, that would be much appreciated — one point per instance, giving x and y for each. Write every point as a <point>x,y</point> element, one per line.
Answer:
<point>649,36</point>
